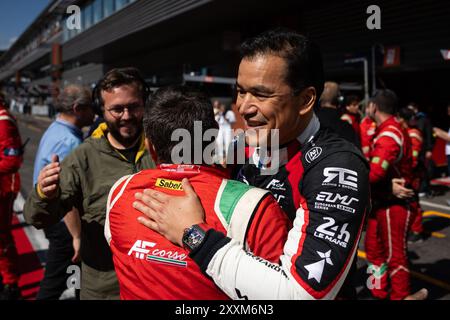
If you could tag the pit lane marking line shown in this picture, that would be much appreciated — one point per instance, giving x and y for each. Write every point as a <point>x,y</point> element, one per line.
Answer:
<point>34,128</point>
<point>435,205</point>
<point>436,213</point>
<point>438,283</point>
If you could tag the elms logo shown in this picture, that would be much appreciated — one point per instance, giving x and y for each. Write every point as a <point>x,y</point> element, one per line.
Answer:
<point>140,248</point>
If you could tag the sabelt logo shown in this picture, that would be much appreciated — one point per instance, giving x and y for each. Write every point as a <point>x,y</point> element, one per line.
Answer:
<point>345,177</point>
<point>169,184</point>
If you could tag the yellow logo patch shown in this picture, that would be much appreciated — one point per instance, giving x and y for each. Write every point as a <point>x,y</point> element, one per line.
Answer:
<point>169,184</point>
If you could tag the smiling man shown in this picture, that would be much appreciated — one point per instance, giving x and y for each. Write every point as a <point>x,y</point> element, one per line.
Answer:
<point>321,183</point>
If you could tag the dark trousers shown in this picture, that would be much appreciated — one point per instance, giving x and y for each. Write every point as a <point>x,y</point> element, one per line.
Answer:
<point>59,255</point>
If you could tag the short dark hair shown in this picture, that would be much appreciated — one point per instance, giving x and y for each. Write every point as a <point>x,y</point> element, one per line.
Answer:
<point>302,56</point>
<point>176,107</point>
<point>352,99</point>
<point>386,100</point>
<point>119,77</point>
<point>406,113</point>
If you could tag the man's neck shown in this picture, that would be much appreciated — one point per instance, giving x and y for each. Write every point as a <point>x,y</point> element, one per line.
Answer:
<point>382,117</point>
<point>119,145</point>
<point>69,118</point>
<point>328,105</point>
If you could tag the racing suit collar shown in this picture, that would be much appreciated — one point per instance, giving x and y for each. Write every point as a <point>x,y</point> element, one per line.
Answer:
<point>386,123</point>
<point>193,169</point>
<point>310,131</point>
<point>287,151</point>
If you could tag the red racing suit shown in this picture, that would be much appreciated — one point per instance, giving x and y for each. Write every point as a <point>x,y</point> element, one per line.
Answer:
<point>367,132</point>
<point>387,227</point>
<point>416,143</point>
<point>353,120</point>
<point>150,267</point>
<point>10,162</point>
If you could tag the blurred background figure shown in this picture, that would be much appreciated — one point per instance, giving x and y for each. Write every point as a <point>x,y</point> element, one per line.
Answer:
<point>425,162</point>
<point>440,133</point>
<point>409,123</point>
<point>351,113</point>
<point>60,139</point>
<point>11,152</point>
<point>367,132</point>
<point>329,116</point>
<point>226,118</point>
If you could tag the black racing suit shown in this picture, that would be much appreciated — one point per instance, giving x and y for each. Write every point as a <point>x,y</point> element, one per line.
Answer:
<point>323,185</point>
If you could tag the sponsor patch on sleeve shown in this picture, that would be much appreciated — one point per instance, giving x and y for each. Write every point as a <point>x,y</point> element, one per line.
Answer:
<point>169,184</point>
<point>11,152</point>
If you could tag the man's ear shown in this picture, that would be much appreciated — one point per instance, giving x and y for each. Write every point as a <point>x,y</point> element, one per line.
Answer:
<point>308,98</point>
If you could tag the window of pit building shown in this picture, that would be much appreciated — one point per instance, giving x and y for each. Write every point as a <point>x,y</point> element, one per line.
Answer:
<point>121,3</point>
<point>108,8</point>
<point>97,7</point>
<point>86,16</point>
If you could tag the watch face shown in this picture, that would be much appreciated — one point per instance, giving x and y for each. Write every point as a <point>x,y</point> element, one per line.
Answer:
<point>193,238</point>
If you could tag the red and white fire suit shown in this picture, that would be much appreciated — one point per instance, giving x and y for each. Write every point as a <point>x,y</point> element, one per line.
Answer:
<point>367,132</point>
<point>149,266</point>
<point>10,162</point>
<point>416,144</point>
<point>390,217</point>
<point>353,120</point>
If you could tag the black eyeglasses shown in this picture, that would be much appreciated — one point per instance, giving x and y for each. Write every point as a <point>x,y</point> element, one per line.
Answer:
<point>118,111</point>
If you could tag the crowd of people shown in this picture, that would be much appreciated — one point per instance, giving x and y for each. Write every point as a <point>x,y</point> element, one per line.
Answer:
<point>142,226</point>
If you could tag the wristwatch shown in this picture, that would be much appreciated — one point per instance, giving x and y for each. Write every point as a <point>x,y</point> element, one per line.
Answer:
<point>193,237</point>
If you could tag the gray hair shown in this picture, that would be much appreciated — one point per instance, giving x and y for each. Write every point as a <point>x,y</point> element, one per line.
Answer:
<point>73,95</point>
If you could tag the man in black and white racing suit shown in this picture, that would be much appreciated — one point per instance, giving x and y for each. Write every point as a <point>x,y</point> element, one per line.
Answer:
<point>321,183</point>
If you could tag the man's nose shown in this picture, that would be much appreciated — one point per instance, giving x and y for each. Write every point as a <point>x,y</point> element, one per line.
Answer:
<point>126,114</point>
<point>246,105</point>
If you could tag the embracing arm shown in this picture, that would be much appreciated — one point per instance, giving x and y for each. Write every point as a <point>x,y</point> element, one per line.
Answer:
<point>317,255</point>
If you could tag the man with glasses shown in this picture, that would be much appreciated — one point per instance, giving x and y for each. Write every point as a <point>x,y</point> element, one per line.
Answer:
<point>83,179</point>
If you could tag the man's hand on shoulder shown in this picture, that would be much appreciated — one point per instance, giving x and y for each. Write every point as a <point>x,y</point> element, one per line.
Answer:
<point>170,215</point>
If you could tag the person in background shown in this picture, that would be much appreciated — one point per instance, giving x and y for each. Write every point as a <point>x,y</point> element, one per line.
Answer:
<point>352,114</point>
<point>75,111</point>
<point>11,157</point>
<point>367,132</point>
<point>226,119</point>
<point>446,137</point>
<point>329,117</point>
<point>425,162</point>
<point>409,123</point>
<point>84,178</point>
<point>388,223</point>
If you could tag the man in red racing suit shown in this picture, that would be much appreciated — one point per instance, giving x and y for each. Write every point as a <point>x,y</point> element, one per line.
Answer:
<point>390,218</point>
<point>10,162</point>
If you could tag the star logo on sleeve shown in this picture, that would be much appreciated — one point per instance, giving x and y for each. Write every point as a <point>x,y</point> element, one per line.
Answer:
<point>315,269</point>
